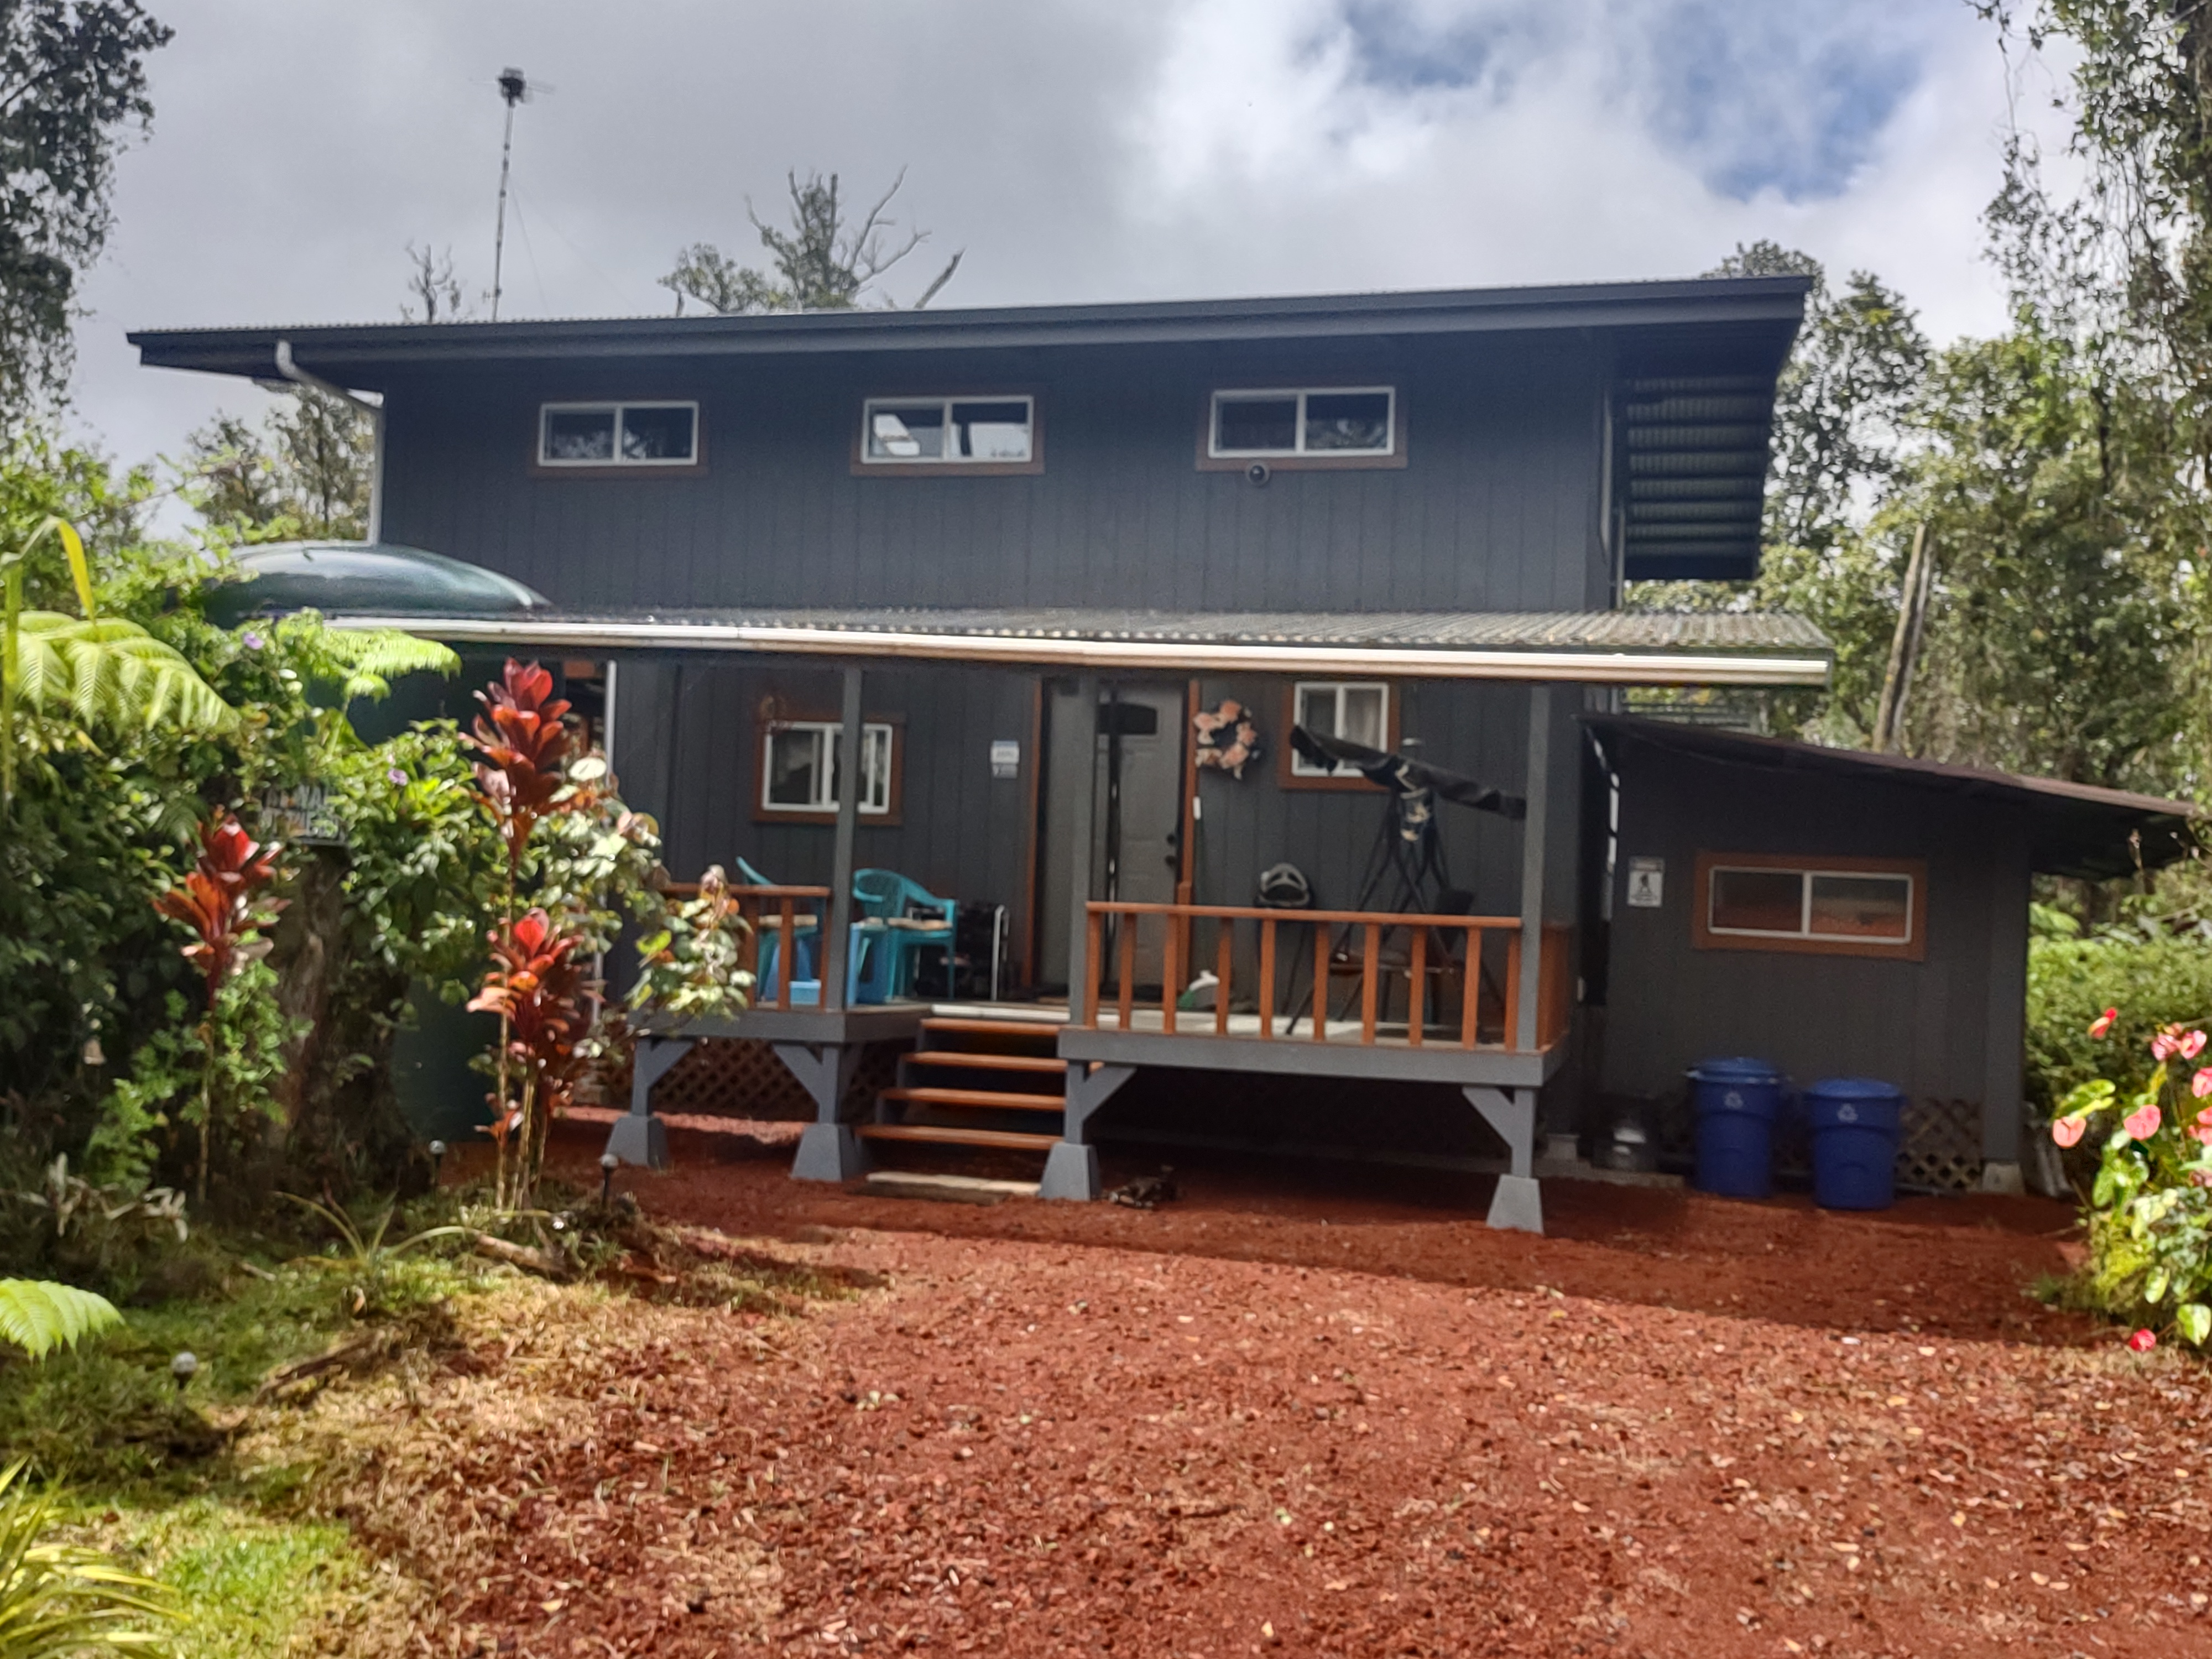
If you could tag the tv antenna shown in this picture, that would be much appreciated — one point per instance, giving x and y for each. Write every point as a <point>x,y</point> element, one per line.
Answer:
<point>515,88</point>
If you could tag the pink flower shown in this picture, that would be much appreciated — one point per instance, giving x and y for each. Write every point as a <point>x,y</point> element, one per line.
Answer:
<point>2200,1084</point>
<point>2205,1116</point>
<point>2142,1122</point>
<point>2166,1043</point>
<point>2103,1022</point>
<point>2067,1131</point>
<point>2142,1342</point>
<point>2192,1045</point>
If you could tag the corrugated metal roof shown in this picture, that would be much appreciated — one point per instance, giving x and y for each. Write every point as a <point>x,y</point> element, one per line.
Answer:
<point>1609,647</point>
<point>1541,630</point>
<point>2077,829</point>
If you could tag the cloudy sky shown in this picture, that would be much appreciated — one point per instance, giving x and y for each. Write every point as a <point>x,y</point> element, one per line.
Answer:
<point>1139,149</point>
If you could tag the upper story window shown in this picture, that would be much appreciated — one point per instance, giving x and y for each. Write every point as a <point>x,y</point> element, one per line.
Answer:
<point>1856,906</point>
<point>948,432</point>
<point>619,434</point>
<point>1324,423</point>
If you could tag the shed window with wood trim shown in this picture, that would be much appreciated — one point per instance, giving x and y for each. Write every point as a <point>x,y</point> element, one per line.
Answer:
<point>1834,906</point>
<point>970,433</point>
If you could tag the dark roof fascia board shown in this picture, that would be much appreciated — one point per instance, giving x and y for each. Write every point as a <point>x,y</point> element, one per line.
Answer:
<point>1773,307</point>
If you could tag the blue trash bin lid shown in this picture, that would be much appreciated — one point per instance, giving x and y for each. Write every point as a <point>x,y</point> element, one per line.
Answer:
<point>1864,1102</point>
<point>1739,1069</point>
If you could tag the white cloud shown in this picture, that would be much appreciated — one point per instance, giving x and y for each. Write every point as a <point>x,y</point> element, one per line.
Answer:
<point>1155,147</point>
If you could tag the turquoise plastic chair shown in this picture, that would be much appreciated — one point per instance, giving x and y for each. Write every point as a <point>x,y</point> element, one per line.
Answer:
<point>884,956</point>
<point>805,978</point>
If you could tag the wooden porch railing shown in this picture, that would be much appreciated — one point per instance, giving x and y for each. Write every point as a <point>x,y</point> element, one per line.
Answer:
<point>785,912</point>
<point>1382,952</point>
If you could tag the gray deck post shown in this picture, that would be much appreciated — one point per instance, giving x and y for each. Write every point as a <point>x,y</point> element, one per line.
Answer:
<point>1517,1206</point>
<point>1071,1169</point>
<point>838,931</point>
<point>830,1150</point>
<point>1534,832</point>
<point>638,1137</point>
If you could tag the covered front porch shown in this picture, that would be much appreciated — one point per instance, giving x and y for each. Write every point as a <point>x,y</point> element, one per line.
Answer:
<point>1426,985</point>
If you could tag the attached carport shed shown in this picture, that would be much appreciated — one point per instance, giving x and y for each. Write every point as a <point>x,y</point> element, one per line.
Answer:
<point>1943,1020</point>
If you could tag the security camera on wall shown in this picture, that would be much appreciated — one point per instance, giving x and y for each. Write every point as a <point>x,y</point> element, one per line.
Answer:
<point>1257,472</point>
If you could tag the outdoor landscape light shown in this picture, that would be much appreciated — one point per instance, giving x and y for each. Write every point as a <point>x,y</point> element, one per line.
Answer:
<point>437,1160</point>
<point>608,1164</point>
<point>185,1367</point>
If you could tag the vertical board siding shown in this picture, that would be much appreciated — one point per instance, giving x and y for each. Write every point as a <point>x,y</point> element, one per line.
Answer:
<point>1919,1025</point>
<point>1496,508</point>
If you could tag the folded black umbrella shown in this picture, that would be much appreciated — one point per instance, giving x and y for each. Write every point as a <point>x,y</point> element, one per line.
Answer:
<point>1403,776</point>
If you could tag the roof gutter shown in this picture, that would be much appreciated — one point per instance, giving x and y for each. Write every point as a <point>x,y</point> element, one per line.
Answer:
<point>1585,667</point>
<point>299,376</point>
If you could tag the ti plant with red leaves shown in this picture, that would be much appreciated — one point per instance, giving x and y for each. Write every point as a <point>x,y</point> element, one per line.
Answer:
<point>522,744</point>
<point>538,991</point>
<point>221,900</point>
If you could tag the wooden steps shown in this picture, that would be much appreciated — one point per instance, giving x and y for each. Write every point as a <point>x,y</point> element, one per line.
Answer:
<point>944,1135</point>
<point>1020,1030</point>
<point>982,1062</point>
<point>975,1083</point>
<point>996,1100</point>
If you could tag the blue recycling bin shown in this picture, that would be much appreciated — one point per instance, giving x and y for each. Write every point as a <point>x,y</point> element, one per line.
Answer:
<point>1857,1123</point>
<point>1735,1102</point>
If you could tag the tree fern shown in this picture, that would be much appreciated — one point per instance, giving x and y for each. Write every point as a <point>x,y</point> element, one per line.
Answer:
<point>112,673</point>
<point>62,1601</point>
<point>38,1317</point>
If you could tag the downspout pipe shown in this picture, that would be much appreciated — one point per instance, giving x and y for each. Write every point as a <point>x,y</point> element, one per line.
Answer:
<point>299,376</point>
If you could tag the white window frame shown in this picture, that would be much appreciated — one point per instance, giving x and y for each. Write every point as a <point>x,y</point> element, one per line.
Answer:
<point>1300,766</point>
<point>618,409</point>
<point>1806,874</point>
<point>1298,451</point>
<point>831,733</point>
<point>869,406</point>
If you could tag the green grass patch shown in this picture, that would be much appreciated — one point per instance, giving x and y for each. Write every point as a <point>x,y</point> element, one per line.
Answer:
<point>253,1582</point>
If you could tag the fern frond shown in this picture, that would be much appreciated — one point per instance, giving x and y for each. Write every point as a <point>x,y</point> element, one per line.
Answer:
<point>38,1317</point>
<point>373,658</point>
<point>112,673</point>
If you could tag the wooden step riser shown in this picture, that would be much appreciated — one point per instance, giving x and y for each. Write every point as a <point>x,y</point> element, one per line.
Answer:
<point>935,1058</point>
<point>946,1135</point>
<point>993,1100</point>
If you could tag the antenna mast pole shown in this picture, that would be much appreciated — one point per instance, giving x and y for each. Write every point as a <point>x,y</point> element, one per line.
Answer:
<point>511,88</point>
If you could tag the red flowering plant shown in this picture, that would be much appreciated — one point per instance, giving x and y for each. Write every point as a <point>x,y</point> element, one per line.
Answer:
<point>575,856</point>
<point>2150,1207</point>
<point>221,900</point>
<point>538,990</point>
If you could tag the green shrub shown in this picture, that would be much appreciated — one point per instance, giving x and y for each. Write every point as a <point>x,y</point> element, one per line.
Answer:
<point>2153,981</point>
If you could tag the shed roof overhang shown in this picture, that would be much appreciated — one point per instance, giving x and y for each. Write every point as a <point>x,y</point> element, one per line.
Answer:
<point>2074,829</point>
<point>1606,648</point>
<point>1754,318</point>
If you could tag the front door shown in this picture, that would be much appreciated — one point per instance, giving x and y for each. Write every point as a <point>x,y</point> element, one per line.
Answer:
<point>1136,751</point>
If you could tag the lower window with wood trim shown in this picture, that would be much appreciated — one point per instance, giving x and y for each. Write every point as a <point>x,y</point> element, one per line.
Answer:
<point>1855,906</point>
<point>798,762</point>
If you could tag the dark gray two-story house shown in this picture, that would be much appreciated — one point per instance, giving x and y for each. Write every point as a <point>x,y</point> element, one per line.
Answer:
<point>1237,690</point>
